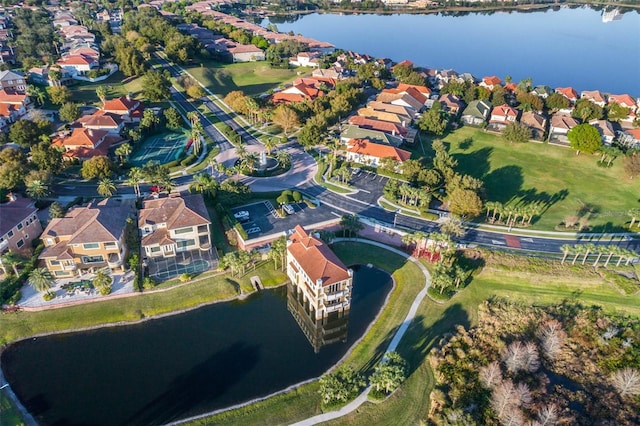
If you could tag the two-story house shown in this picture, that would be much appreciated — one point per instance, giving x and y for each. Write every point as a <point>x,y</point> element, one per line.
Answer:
<point>127,108</point>
<point>19,225</point>
<point>174,224</point>
<point>87,239</point>
<point>12,81</point>
<point>322,282</point>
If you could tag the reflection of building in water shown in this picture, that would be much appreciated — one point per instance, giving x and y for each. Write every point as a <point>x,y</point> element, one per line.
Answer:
<point>317,273</point>
<point>320,332</point>
<point>611,15</point>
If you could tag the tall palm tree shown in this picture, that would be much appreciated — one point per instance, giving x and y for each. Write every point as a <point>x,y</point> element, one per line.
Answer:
<point>407,239</point>
<point>566,249</point>
<point>102,281</point>
<point>106,188</point>
<point>600,252</point>
<point>41,280</point>
<point>123,151</point>
<point>634,214</point>
<point>37,93</point>
<point>204,184</point>
<point>351,223</point>
<point>578,249</point>
<point>612,250</point>
<point>11,259</point>
<point>135,178</point>
<point>588,248</point>
<point>102,92</point>
<point>284,158</point>
<point>420,238</point>
<point>270,144</point>
<point>37,189</point>
<point>488,206</point>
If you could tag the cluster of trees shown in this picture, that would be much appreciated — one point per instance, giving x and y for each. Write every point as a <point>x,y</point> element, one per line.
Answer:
<point>602,253</point>
<point>236,34</point>
<point>278,54</point>
<point>35,40</point>
<point>510,214</point>
<point>508,371</point>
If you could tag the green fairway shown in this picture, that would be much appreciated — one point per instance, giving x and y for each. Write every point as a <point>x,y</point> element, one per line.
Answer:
<point>253,78</point>
<point>85,93</point>
<point>529,172</point>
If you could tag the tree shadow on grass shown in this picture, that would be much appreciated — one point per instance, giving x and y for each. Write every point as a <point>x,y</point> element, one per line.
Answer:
<point>475,163</point>
<point>504,184</point>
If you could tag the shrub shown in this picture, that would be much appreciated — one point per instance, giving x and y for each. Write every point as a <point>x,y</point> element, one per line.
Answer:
<point>173,163</point>
<point>48,296</point>
<point>188,160</point>
<point>185,277</point>
<point>243,234</point>
<point>148,283</point>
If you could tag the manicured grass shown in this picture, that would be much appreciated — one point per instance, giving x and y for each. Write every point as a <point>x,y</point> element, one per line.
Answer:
<point>305,401</point>
<point>540,172</point>
<point>23,324</point>
<point>9,416</point>
<point>253,78</point>
<point>85,93</point>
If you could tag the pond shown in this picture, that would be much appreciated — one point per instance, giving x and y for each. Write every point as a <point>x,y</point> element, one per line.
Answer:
<point>563,47</point>
<point>183,365</point>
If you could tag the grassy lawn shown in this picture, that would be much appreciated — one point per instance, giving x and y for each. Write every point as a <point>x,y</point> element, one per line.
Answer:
<point>8,414</point>
<point>22,324</point>
<point>253,78</point>
<point>540,172</point>
<point>85,93</point>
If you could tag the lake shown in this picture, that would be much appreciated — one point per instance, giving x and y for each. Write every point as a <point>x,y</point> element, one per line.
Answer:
<point>179,366</point>
<point>566,47</point>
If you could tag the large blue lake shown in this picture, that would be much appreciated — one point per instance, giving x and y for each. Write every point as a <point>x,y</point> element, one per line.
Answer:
<point>565,47</point>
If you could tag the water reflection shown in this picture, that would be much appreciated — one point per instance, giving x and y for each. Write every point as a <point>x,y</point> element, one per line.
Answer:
<point>319,332</point>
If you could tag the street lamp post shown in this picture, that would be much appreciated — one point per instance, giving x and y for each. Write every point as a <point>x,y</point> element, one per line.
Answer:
<point>395,217</point>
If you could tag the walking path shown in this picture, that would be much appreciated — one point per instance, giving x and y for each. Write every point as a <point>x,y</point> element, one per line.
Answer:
<point>362,398</point>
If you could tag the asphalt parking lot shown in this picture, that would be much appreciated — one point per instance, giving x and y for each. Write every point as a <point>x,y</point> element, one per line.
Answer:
<point>262,221</point>
<point>370,186</point>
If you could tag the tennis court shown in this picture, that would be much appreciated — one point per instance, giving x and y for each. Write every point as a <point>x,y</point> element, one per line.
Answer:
<point>162,148</point>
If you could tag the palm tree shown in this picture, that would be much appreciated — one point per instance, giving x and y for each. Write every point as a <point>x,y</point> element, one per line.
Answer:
<point>408,239</point>
<point>106,188</point>
<point>102,92</point>
<point>351,223</point>
<point>588,248</point>
<point>634,213</point>
<point>630,256</point>
<point>270,144</point>
<point>420,238</point>
<point>204,184</point>
<point>37,189</point>
<point>123,151</point>
<point>534,210</point>
<point>459,275</point>
<point>595,264</point>
<point>41,280</point>
<point>578,250</point>
<point>135,177</point>
<point>284,158</point>
<point>193,117</point>
<point>241,151</point>
<point>11,259</point>
<point>612,250</point>
<point>37,93</point>
<point>566,249</point>
<point>102,281</point>
<point>489,205</point>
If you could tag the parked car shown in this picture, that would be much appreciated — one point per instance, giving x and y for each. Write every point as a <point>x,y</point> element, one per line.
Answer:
<point>243,214</point>
<point>288,208</point>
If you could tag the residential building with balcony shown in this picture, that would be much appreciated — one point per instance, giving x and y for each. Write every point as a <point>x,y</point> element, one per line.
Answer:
<point>174,224</point>
<point>19,225</point>
<point>322,282</point>
<point>87,239</point>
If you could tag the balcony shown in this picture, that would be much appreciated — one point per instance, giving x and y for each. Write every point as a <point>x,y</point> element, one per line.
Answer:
<point>115,260</point>
<point>334,296</point>
<point>4,245</point>
<point>71,267</point>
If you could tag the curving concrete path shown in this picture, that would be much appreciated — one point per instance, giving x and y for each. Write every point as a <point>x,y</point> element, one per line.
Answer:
<point>362,398</point>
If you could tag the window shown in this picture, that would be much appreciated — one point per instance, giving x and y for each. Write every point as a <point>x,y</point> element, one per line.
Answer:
<point>20,243</point>
<point>10,233</point>
<point>111,245</point>
<point>183,231</point>
<point>92,259</point>
<point>202,228</point>
<point>26,236</point>
<point>91,246</point>
<point>54,262</point>
<point>49,241</point>
<point>60,273</point>
<point>186,243</point>
<point>154,249</point>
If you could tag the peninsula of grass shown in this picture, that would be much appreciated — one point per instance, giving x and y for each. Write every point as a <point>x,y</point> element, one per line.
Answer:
<point>253,78</point>
<point>22,324</point>
<point>530,172</point>
<point>85,93</point>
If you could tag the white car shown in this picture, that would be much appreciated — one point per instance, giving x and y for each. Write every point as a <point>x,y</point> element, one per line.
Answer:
<point>288,208</point>
<point>243,214</point>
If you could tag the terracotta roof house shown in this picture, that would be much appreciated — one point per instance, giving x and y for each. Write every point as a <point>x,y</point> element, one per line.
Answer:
<point>296,93</point>
<point>502,115</point>
<point>490,82</point>
<point>364,151</point>
<point>174,224</point>
<point>510,87</point>
<point>605,129</point>
<point>327,73</point>
<point>451,103</point>
<point>317,274</point>
<point>569,93</point>
<point>631,137</point>
<point>101,120</point>
<point>536,122</point>
<point>396,109</point>
<point>384,116</point>
<point>306,59</point>
<point>78,64</point>
<point>624,100</point>
<point>129,109</point>
<point>595,96</point>
<point>19,225</point>
<point>316,82</point>
<point>87,238</point>
<point>383,126</point>
<point>404,62</point>
<point>419,93</point>
<point>476,113</point>
<point>13,106</point>
<point>350,131</point>
<point>84,143</point>
<point>246,53</point>
<point>84,50</point>
<point>402,99</point>
<point>560,125</point>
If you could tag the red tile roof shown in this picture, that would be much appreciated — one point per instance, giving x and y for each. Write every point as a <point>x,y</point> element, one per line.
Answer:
<point>568,92</point>
<point>100,119</point>
<point>316,258</point>
<point>510,87</point>
<point>625,100</point>
<point>504,111</point>
<point>81,59</point>
<point>492,81</point>
<point>594,95</point>
<point>366,147</point>
<point>383,126</point>
<point>12,97</point>
<point>122,104</point>
<point>84,137</point>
